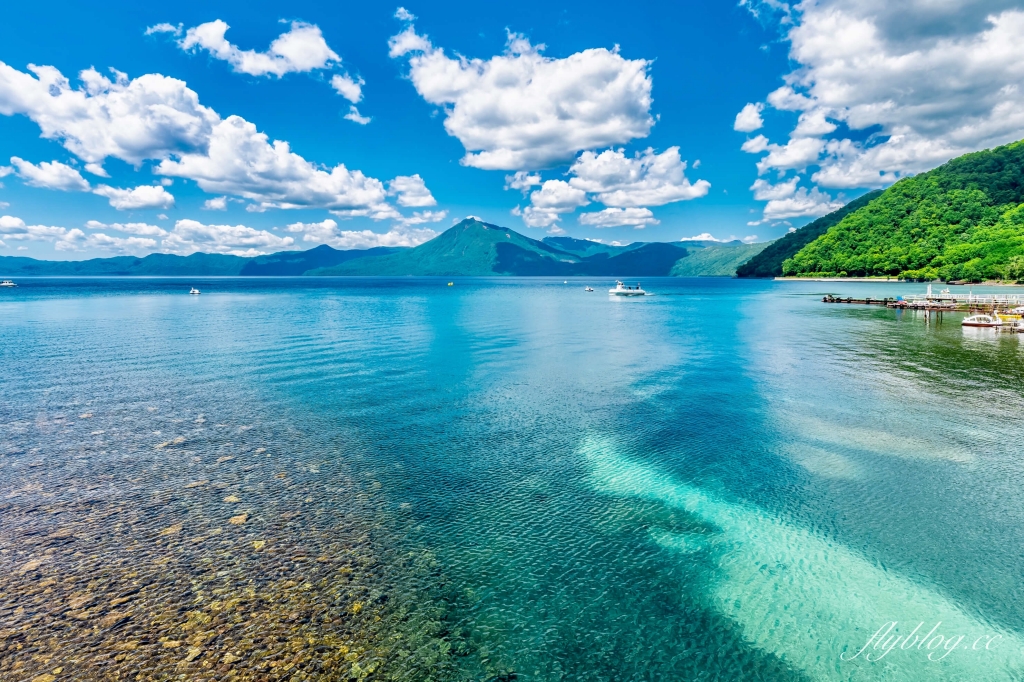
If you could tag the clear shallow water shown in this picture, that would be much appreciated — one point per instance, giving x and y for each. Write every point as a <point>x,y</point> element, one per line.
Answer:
<point>729,480</point>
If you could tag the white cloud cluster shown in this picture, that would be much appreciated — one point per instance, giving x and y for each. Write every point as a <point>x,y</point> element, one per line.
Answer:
<point>327,232</point>
<point>50,175</point>
<point>521,110</point>
<point>15,229</point>
<point>887,89</point>
<point>411,191</point>
<point>143,196</point>
<point>522,181</point>
<point>615,180</point>
<point>140,229</point>
<point>301,49</point>
<point>154,117</point>
<point>616,217</point>
<point>242,161</point>
<point>646,179</point>
<point>76,240</point>
<point>191,236</point>
<point>749,118</point>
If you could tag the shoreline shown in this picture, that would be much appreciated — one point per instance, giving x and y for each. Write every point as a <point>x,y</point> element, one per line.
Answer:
<point>893,281</point>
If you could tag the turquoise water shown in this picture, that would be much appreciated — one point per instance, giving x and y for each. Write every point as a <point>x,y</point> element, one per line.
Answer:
<point>727,480</point>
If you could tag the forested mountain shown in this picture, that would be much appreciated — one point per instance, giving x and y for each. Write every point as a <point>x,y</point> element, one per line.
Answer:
<point>961,221</point>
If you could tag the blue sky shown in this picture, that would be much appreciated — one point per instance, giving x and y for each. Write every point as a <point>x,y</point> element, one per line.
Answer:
<point>648,122</point>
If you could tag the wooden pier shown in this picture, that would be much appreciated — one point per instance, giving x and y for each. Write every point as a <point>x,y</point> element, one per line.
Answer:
<point>943,301</point>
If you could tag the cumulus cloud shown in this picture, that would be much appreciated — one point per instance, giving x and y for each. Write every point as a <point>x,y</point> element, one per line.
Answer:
<point>140,229</point>
<point>920,82</point>
<point>749,118</point>
<point>301,49</point>
<point>327,232</point>
<point>411,191</point>
<point>159,118</point>
<point>552,199</point>
<point>150,117</point>
<point>243,162</point>
<point>50,175</point>
<point>802,203</point>
<point>76,240</point>
<point>421,217</point>
<point>765,191</point>
<point>403,14</point>
<point>15,229</point>
<point>143,196</point>
<point>521,110</point>
<point>702,237</point>
<point>354,116</point>
<point>616,217</point>
<point>348,87</point>
<point>164,28</point>
<point>190,236</point>
<point>646,179</point>
<point>96,169</point>
<point>216,204</point>
<point>522,181</point>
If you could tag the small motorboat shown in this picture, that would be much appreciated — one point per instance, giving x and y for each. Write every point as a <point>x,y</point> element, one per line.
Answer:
<point>589,289</point>
<point>194,291</point>
<point>623,290</point>
<point>7,283</point>
<point>982,321</point>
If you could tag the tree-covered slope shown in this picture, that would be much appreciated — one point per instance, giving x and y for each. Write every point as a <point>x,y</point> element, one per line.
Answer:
<point>768,263</point>
<point>961,220</point>
<point>717,260</point>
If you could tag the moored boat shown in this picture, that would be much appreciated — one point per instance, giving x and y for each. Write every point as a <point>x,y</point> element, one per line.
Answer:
<point>982,321</point>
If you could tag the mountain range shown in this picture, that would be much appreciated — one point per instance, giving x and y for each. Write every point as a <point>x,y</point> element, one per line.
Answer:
<point>470,248</point>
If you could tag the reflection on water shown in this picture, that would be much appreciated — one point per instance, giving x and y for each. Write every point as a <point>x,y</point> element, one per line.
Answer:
<point>505,479</point>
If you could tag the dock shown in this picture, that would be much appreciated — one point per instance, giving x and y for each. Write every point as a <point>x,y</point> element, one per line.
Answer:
<point>942,301</point>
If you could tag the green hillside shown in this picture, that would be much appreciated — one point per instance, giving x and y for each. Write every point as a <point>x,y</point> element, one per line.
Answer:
<point>768,263</point>
<point>716,260</point>
<point>963,220</point>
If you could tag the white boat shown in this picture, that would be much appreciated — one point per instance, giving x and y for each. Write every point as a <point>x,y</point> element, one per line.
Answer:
<point>982,321</point>
<point>7,283</point>
<point>622,290</point>
<point>589,289</point>
<point>194,291</point>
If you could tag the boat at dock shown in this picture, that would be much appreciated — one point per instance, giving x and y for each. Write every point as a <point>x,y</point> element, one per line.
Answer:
<point>623,290</point>
<point>982,321</point>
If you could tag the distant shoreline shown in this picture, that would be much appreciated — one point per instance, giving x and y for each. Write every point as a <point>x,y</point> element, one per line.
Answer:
<point>991,283</point>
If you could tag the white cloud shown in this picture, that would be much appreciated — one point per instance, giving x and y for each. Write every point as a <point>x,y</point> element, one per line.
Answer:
<point>5,171</point>
<point>76,240</point>
<point>614,217</point>
<point>4,204</point>
<point>354,115</point>
<point>749,239</point>
<point>765,191</point>
<point>348,87</point>
<point>521,110</point>
<point>97,169</point>
<point>301,49</point>
<point>925,81</point>
<point>190,236</point>
<point>749,119</point>
<point>140,229</point>
<point>150,117</point>
<point>15,229</point>
<point>647,179</point>
<point>411,191</point>
<point>522,181</point>
<point>143,196</point>
<point>702,237</point>
<point>327,232</point>
<point>216,204</point>
<point>803,203</point>
<point>421,217</point>
<point>755,145</point>
<point>164,28</point>
<point>552,199</point>
<point>243,162</point>
<point>404,15</point>
<point>50,175</point>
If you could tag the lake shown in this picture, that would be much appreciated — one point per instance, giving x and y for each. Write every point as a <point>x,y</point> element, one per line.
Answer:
<point>505,479</point>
